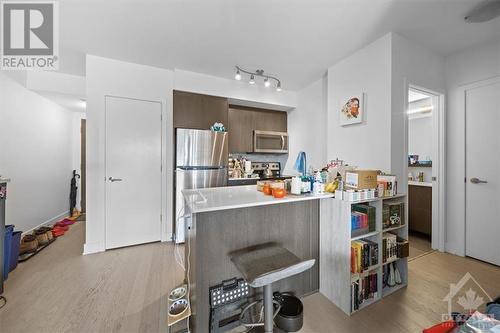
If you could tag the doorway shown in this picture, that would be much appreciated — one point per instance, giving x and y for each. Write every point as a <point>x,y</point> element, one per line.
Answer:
<point>482,162</point>
<point>425,169</point>
<point>133,171</point>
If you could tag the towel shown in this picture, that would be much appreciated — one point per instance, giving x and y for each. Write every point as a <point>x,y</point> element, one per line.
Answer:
<point>300,163</point>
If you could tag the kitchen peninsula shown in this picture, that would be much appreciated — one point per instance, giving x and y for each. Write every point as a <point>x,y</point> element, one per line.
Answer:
<point>226,219</point>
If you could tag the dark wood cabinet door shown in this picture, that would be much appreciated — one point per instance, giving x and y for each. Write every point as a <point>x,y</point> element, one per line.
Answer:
<point>420,209</point>
<point>198,111</point>
<point>242,121</point>
<point>271,121</point>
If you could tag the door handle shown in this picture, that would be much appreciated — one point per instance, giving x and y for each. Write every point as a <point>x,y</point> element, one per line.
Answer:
<point>282,142</point>
<point>477,181</point>
<point>111,179</point>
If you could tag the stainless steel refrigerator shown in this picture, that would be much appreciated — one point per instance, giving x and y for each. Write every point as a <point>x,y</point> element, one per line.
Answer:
<point>201,162</point>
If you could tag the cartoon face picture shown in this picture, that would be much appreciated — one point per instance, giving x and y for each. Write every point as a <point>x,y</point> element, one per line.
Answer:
<point>351,108</point>
<point>352,111</point>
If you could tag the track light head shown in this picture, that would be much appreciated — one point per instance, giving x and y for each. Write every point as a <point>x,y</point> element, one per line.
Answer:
<point>269,80</point>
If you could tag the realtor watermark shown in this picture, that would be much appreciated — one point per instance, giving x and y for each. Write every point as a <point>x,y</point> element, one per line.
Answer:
<point>465,297</point>
<point>29,33</point>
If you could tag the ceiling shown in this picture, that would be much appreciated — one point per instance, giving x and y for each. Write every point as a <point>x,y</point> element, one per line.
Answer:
<point>296,40</point>
<point>69,102</point>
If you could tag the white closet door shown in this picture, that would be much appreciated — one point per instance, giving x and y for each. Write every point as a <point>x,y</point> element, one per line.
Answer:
<point>133,172</point>
<point>482,109</point>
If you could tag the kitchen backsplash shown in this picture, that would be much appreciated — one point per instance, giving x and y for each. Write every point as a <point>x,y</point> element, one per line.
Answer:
<point>281,158</point>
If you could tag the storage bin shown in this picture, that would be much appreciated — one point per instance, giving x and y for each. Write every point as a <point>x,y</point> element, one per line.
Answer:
<point>14,250</point>
<point>403,248</point>
<point>9,229</point>
<point>291,315</point>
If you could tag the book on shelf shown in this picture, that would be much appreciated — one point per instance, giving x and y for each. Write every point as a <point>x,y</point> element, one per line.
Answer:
<point>389,247</point>
<point>394,247</point>
<point>369,211</point>
<point>364,255</point>
<point>387,185</point>
<point>359,224</point>
<point>393,214</point>
<point>363,289</point>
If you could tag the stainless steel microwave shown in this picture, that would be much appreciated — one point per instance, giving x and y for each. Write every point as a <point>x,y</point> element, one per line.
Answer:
<point>270,142</point>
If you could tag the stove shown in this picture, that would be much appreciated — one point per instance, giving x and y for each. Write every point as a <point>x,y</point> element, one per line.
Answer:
<point>260,168</point>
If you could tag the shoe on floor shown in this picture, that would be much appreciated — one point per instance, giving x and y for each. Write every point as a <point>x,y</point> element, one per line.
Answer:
<point>58,231</point>
<point>29,244</point>
<point>48,231</point>
<point>62,225</point>
<point>41,236</point>
<point>67,221</point>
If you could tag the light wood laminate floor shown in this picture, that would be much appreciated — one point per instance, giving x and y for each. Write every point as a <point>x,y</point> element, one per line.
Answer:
<point>419,246</point>
<point>125,290</point>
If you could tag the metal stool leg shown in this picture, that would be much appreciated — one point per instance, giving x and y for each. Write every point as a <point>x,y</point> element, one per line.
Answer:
<point>268,309</point>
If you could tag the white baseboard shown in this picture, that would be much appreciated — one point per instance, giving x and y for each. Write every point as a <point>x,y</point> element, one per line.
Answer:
<point>48,222</point>
<point>167,239</point>
<point>89,248</point>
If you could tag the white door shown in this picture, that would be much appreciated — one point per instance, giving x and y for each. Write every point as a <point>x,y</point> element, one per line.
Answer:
<point>482,109</point>
<point>133,172</point>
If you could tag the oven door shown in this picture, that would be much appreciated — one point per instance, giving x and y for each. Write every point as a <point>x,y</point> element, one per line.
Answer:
<point>270,142</point>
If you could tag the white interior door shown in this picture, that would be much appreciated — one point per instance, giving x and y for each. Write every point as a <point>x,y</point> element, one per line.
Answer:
<point>437,152</point>
<point>133,172</point>
<point>482,109</point>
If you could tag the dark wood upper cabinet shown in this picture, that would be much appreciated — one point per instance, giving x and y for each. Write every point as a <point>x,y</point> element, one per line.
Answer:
<point>198,111</point>
<point>242,121</point>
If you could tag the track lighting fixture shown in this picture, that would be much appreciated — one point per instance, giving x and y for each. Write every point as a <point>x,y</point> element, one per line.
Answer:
<point>259,72</point>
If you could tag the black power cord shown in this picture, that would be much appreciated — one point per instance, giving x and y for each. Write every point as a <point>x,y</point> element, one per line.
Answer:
<point>4,301</point>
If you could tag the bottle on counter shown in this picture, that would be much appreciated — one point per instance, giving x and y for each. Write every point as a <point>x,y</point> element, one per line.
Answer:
<point>296,185</point>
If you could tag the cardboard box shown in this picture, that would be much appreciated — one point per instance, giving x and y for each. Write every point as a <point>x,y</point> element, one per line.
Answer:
<point>361,179</point>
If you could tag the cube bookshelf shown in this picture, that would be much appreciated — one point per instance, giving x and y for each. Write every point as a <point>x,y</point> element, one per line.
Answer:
<point>335,255</point>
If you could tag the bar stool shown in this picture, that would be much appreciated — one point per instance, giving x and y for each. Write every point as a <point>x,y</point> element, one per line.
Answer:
<point>262,265</point>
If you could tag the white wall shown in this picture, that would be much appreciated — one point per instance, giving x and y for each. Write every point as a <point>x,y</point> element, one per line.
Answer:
<point>383,70</point>
<point>368,71</point>
<point>307,126</point>
<point>116,78</point>
<point>36,153</point>
<point>478,63</point>
<point>257,94</point>
<point>416,65</point>
<point>420,143</point>
<point>56,82</point>
<point>420,137</point>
